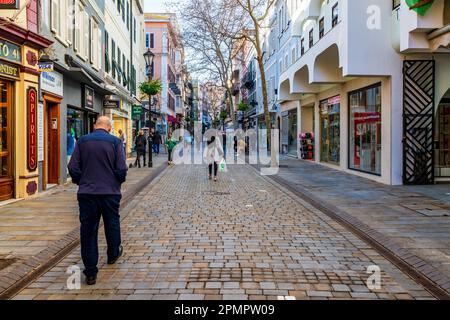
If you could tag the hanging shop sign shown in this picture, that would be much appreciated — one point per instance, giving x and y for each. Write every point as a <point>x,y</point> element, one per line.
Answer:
<point>32,110</point>
<point>88,97</point>
<point>9,4</point>
<point>10,51</point>
<point>136,111</point>
<point>9,70</point>
<point>420,6</point>
<point>111,104</point>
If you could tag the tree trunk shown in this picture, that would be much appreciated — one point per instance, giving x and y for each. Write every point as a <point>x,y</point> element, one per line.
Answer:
<point>268,119</point>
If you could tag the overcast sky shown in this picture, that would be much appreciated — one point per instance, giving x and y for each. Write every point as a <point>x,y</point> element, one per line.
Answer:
<point>154,6</point>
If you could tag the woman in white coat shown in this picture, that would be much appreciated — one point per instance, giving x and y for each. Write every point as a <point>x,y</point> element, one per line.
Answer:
<point>213,155</point>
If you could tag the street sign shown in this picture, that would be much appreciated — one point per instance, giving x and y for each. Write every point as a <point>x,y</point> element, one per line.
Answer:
<point>136,111</point>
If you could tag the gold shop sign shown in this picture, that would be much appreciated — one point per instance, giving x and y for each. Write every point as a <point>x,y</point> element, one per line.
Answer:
<point>9,70</point>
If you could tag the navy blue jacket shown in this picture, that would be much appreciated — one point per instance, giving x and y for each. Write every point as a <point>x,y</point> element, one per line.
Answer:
<point>98,164</point>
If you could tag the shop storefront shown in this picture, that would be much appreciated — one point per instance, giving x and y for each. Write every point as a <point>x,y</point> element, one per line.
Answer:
<point>19,84</point>
<point>119,111</point>
<point>365,130</point>
<point>82,107</point>
<point>330,130</point>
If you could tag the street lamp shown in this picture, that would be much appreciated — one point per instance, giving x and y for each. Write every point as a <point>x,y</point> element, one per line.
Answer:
<point>149,56</point>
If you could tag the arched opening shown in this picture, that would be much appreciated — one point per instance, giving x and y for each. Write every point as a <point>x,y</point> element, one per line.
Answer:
<point>442,139</point>
<point>301,84</point>
<point>327,68</point>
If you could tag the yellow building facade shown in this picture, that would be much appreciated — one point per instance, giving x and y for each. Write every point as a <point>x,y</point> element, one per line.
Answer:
<point>19,118</point>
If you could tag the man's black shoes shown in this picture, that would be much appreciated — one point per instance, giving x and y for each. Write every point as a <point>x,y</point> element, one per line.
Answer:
<point>112,261</point>
<point>91,280</point>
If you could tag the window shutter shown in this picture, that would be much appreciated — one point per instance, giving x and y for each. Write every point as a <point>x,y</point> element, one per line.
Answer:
<point>99,49</point>
<point>78,26</point>
<point>92,39</point>
<point>69,27</point>
<point>55,18</point>
<point>86,35</point>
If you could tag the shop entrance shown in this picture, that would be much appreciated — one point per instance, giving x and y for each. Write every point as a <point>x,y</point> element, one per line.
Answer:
<point>53,143</point>
<point>6,142</point>
<point>442,139</point>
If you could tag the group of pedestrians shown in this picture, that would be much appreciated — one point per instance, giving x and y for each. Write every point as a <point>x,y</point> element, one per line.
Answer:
<point>153,141</point>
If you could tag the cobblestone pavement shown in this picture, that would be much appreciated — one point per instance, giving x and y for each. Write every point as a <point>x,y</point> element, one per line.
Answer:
<point>29,226</point>
<point>244,237</point>
<point>413,218</point>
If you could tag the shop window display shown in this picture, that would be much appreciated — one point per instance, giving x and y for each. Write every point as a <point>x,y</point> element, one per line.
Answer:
<point>365,130</point>
<point>75,129</point>
<point>330,110</point>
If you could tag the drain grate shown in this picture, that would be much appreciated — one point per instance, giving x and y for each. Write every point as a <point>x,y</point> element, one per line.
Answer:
<point>216,193</point>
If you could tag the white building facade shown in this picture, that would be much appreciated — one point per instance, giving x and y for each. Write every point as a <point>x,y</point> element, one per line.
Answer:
<point>342,85</point>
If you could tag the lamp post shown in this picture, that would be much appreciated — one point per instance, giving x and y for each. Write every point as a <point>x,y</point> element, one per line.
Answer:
<point>149,56</point>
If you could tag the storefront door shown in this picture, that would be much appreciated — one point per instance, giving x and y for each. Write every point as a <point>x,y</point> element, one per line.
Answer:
<point>442,154</point>
<point>292,134</point>
<point>6,142</point>
<point>53,143</point>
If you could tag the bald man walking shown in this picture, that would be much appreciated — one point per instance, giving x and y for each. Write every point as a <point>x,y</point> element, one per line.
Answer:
<point>98,167</point>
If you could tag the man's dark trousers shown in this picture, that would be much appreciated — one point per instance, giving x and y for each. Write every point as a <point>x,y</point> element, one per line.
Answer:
<point>92,207</point>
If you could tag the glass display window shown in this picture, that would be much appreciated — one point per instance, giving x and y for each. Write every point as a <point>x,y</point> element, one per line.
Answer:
<point>365,130</point>
<point>330,128</point>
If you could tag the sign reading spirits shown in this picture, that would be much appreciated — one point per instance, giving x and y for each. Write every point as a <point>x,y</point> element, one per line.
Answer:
<point>32,128</point>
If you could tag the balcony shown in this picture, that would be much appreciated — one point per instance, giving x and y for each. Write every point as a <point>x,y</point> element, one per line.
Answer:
<point>309,10</point>
<point>248,81</point>
<point>236,88</point>
<point>419,34</point>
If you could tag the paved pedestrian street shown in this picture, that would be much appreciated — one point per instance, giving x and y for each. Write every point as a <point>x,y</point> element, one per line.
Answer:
<point>243,237</point>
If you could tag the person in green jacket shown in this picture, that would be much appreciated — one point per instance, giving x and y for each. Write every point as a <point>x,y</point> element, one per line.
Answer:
<point>170,144</point>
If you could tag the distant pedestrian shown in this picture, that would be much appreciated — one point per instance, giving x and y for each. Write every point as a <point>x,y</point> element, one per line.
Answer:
<point>123,138</point>
<point>213,155</point>
<point>99,168</point>
<point>170,144</point>
<point>156,141</point>
<point>141,148</point>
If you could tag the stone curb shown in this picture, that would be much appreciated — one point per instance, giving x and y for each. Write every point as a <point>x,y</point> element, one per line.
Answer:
<point>20,274</point>
<point>437,283</point>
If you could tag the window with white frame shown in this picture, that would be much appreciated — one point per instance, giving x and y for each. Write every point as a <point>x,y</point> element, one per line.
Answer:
<point>95,38</point>
<point>86,25</point>
<point>80,25</point>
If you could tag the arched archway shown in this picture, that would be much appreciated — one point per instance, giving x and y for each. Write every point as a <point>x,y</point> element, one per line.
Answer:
<point>442,138</point>
<point>327,68</point>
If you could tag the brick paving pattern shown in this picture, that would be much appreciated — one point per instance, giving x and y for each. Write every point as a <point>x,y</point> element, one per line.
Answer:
<point>186,237</point>
<point>415,218</point>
